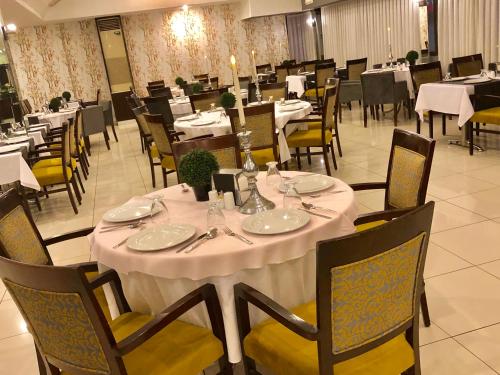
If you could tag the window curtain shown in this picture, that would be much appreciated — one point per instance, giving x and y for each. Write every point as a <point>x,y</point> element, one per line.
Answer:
<point>301,37</point>
<point>359,28</point>
<point>467,27</point>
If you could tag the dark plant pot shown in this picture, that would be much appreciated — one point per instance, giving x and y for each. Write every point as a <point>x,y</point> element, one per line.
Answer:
<point>412,62</point>
<point>201,192</point>
<point>55,109</point>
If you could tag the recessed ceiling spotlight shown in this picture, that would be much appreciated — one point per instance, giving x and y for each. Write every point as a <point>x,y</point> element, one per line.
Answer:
<point>185,7</point>
<point>11,27</point>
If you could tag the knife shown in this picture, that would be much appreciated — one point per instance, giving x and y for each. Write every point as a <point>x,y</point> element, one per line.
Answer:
<point>315,213</point>
<point>200,237</point>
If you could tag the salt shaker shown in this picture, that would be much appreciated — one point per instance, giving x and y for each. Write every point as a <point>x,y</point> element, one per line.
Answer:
<point>229,200</point>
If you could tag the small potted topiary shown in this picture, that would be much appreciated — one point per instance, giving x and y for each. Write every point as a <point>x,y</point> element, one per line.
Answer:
<point>55,104</point>
<point>227,100</point>
<point>179,81</point>
<point>196,169</point>
<point>196,87</point>
<point>412,57</point>
<point>66,95</point>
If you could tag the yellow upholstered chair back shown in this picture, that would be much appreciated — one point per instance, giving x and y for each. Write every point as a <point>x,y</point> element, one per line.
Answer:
<point>323,73</point>
<point>79,125</point>
<point>355,69</point>
<point>374,296</point>
<point>66,144</point>
<point>276,90</point>
<point>202,102</point>
<point>281,73</point>
<point>331,100</point>
<point>469,68</point>
<point>294,70</point>
<point>159,133</point>
<point>72,140</point>
<point>260,121</point>
<point>310,66</point>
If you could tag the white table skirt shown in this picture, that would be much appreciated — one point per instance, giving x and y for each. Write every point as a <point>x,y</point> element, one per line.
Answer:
<point>282,267</point>
<point>402,75</point>
<point>180,107</point>
<point>224,126</point>
<point>56,119</point>
<point>449,98</point>
<point>296,84</point>
<point>14,168</point>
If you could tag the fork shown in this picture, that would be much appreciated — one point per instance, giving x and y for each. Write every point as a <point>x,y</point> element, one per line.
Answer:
<point>230,233</point>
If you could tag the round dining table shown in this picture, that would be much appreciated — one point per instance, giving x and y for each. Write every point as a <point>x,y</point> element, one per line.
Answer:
<point>221,125</point>
<point>55,119</point>
<point>281,266</point>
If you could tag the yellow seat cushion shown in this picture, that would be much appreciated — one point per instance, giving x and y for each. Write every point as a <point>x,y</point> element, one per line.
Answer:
<point>487,116</point>
<point>168,162</point>
<point>373,224</point>
<point>54,162</point>
<point>308,138</point>
<point>314,125</point>
<point>100,296</point>
<point>154,151</point>
<point>82,143</point>
<point>312,92</point>
<point>51,175</point>
<point>285,353</point>
<point>261,157</point>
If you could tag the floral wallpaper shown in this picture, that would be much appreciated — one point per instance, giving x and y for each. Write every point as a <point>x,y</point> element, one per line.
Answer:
<point>54,58</point>
<point>169,43</point>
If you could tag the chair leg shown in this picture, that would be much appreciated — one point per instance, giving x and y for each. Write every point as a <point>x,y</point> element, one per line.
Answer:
<point>37,202</point>
<point>340,113</point>
<point>309,155</point>
<point>142,144</point>
<point>114,131</point>
<point>365,117</point>
<point>431,124</point>
<point>46,192</point>
<point>337,138</point>
<point>325,159</point>
<point>477,128</point>
<point>297,155</point>
<point>106,138</point>
<point>425,309</point>
<point>418,123</point>
<point>71,198</point>
<point>77,191</point>
<point>77,173</point>
<point>87,163</point>
<point>333,155</point>
<point>164,174</point>
<point>86,140</point>
<point>395,115</point>
<point>469,127</point>
<point>285,164</point>
<point>151,165</point>
<point>42,370</point>
<point>443,124</point>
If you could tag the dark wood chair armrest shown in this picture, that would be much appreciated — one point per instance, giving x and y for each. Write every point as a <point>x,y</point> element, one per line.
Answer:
<point>68,236</point>
<point>205,293</point>
<point>387,215</point>
<point>108,277</point>
<point>245,294</point>
<point>304,120</point>
<point>200,137</point>
<point>176,135</point>
<point>368,186</point>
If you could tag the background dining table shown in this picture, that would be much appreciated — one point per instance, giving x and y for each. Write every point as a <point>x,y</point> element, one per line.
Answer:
<point>222,125</point>
<point>14,168</point>
<point>401,74</point>
<point>296,84</point>
<point>280,266</point>
<point>55,119</point>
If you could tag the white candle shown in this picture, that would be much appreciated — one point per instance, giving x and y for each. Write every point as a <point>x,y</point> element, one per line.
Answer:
<point>254,66</point>
<point>237,92</point>
<point>389,35</point>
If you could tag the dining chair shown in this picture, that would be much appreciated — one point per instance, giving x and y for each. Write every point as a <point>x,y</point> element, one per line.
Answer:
<point>355,68</point>
<point>244,82</point>
<point>468,65</point>
<point>73,336</point>
<point>33,120</point>
<point>17,112</point>
<point>276,90</point>
<point>188,88</point>
<point>318,137</point>
<point>81,152</point>
<point>202,102</point>
<point>310,66</point>
<point>160,105</point>
<point>365,317</point>
<point>382,88</point>
<point>200,76</point>
<point>351,90</point>
<point>160,82</point>
<point>107,109</point>
<point>94,123</point>
<point>93,102</point>
<point>161,91</point>
<point>281,72</point>
<point>163,139</point>
<point>54,175</point>
<point>225,148</point>
<point>147,142</point>
<point>422,74</point>
<point>486,111</point>
<point>321,74</point>
<point>406,183</point>
<point>264,68</point>
<point>260,120</point>
<point>212,85</point>
<point>294,69</point>
<point>27,106</point>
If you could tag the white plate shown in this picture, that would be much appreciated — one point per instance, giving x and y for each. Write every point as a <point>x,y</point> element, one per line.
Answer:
<point>130,211</point>
<point>310,183</point>
<point>188,118</point>
<point>276,221</point>
<point>476,80</point>
<point>202,122</point>
<point>161,237</point>
<point>291,108</point>
<point>454,79</point>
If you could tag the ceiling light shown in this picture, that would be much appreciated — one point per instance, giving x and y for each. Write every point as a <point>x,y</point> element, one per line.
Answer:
<point>311,21</point>
<point>185,7</point>
<point>11,27</point>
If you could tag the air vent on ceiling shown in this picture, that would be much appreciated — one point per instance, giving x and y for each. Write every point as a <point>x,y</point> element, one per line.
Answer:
<point>109,23</point>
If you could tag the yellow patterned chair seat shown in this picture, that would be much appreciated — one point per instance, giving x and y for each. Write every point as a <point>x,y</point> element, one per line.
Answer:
<point>154,151</point>
<point>261,157</point>
<point>309,138</point>
<point>312,92</point>
<point>54,162</point>
<point>51,175</point>
<point>168,162</point>
<point>366,226</point>
<point>286,353</point>
<point>487,116</point>
<point>180,348</point>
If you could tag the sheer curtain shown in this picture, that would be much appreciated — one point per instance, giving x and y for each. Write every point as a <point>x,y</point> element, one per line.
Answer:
<point>466,27</point>
<point>358,28</point>
<point>301,37</point>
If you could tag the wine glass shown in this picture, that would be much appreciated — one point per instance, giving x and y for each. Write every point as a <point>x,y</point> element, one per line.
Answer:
<point>273,177</point>
<point>215,216</point>
<point>291,199</point>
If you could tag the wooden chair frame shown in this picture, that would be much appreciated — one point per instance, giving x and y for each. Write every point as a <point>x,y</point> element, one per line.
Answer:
<point>335,253</point>
<point>157,83</point>
<point>464,59</point>
<point>215,94</point>
<point>355,62</point>
<point>264,68</point>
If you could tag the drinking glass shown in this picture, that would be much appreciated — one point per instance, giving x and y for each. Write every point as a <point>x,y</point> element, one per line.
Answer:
<point>271,99</point>
<point>198,113</point>
<point>282,101</point>
<point>163,217</point>
<point>447,77</point>
<point>273,177</point>
<point>291,199</point>
<point>212,107</point>
<point>215,216</point>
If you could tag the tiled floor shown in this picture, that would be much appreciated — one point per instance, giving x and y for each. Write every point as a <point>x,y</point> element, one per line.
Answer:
<point>463,266</point>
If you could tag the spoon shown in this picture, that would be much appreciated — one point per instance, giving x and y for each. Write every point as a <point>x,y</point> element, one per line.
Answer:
<point>309,206</point>
<point>184,188</point>
<point>211,234</point>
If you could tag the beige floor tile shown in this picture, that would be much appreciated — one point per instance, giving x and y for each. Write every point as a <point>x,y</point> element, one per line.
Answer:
<point>17,356</point>
<point>463,300</point>
<point>485,344</point>
<point>78,247</point>
<point>448,216</point>
<point>11,321</point>
<point>476,243</point>
<point>456,185</point>
<point>486,203</point>
<point>449,357</point>
<point>430,334</point>
<point>440,261</point>
<point>490,174</point>
<point>492,268</point>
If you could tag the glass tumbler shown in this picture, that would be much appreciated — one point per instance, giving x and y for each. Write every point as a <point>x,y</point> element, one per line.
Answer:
<point>291,199</point>
<point>273,177</point>
<point>215,216</point>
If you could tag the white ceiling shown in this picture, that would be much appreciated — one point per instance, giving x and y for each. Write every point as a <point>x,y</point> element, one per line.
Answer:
<point>36,12</point>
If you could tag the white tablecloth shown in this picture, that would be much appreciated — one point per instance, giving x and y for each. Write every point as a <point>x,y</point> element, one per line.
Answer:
<point>36,135</point>
<point>180,106</point>
<point>296,84</point>
<point>449,98</point>
<point>56,119</point>
<point>399,76</point>
<point>281,266</point>
<point>224,126</point>
<point>13,168</point>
